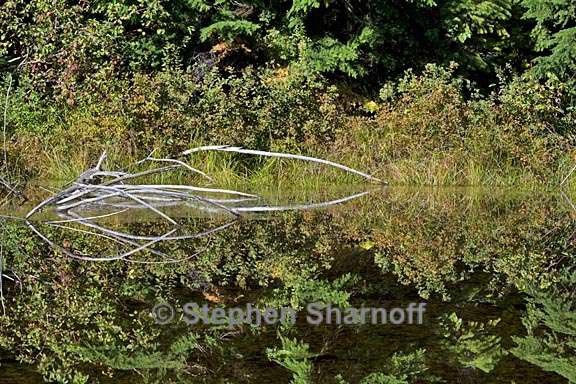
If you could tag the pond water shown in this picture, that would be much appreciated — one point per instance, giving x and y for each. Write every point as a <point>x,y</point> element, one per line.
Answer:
<point>492,270</point>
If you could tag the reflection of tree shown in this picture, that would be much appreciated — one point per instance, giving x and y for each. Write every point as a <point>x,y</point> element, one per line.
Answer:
<point>550,322</point>
<point>75,318</point>
<point>472,344</point>
<point>152,364</point>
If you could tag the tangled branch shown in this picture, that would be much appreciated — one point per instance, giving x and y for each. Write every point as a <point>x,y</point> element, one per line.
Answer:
<point>99,188</point>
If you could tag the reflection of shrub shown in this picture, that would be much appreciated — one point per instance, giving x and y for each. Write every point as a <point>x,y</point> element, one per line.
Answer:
<point>403,368</point>
<point>473,344</point>
<point>551,325</point>
<point>294,356</point>
<point>300,292</point>
<point>430,242</point>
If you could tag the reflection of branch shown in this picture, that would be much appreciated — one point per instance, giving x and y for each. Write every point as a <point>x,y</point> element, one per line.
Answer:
<point>138,237</point>
<point>301,206</point>
<point>296,207</point>
<point>103,258</point>
<point>96,187</point>
<point>131,197</point>
<point>115,239</point>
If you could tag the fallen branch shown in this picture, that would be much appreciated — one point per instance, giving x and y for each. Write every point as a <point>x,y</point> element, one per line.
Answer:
<point>101,188</point>
<point>227,148</point>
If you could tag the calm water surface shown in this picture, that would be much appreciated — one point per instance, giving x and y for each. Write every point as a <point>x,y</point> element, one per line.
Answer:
<point>476,258</point>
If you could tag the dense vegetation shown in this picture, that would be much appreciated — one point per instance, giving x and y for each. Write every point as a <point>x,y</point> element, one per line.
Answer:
<point>290,75</point>
<point>81,322</point>
<point>415,92</point>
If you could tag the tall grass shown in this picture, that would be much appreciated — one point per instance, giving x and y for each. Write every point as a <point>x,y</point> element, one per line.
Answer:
<point>427,134</point>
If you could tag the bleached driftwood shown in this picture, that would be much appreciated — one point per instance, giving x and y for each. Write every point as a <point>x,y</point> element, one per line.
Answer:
<point>97,187</point>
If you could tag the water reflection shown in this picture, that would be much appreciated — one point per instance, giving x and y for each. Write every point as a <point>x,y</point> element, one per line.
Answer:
<point>85,207</point>
<point>488,262</point>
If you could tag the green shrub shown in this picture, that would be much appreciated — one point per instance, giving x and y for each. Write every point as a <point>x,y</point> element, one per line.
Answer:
<point>434,128</point>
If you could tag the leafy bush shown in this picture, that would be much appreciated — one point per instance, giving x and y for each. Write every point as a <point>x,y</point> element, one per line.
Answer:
<point>472,344</point>
<point>434,128</point>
